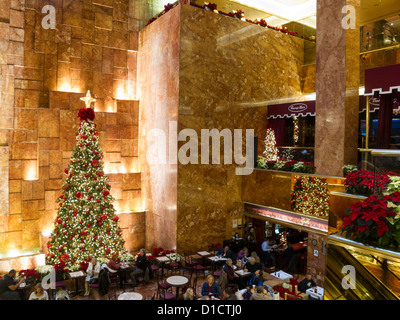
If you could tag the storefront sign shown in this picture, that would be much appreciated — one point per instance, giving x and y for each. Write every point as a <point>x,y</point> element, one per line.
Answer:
<point>301,220</point>
<point>288,110</point>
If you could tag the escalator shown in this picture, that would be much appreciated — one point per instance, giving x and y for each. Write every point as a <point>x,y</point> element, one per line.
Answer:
<point>368,285</point>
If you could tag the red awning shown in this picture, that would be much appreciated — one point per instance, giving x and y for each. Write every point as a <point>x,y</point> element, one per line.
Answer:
<point>382,80</point>
<point>374,102</point>
<point>294,109</point>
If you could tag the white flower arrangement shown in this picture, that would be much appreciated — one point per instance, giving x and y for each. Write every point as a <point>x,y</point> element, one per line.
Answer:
<point>279,165</point>
<point>126,257</point>
<point>262,162</point>
<point>393,185</point>
<point>174,257</point>
<point>348,168</point>
<point>298,166</point>
<point>45,269</point>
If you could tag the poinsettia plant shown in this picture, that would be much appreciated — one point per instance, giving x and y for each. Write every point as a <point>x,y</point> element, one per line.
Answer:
<point>29,274</point>
<point>214,246</point>
<point>375,221</point>
<point>365,183</point>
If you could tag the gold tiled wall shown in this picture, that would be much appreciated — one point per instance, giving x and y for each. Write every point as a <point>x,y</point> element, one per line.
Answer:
<point>43,75</point>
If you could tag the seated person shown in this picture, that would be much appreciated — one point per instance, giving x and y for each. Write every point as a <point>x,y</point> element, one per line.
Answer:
<point>8,286</point>
<point>231,275</point>
<point>142,263</point>
<point>39,293</point>
<point>114,265</point>
<point>306,283</point>
<point>261,294</point>
<point>210,287</point>
<point>257,279</point>
<point>228,294</point>
<point>243,255</point>
<point>92,274</point>
<point>256,257</point>
<point>189,294</point>
<point>226,253</point>
<point>252,266</point>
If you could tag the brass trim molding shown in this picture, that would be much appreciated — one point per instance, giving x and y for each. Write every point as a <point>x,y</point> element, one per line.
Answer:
<point>347,195</point>
<point>338,240</point>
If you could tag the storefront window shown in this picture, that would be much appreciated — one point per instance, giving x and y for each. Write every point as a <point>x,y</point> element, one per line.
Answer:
<point>380,34</point>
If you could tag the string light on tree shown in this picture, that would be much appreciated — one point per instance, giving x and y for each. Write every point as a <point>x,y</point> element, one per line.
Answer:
<point>295,130</point>
<point>271,151</point>
<point>310,196</point>
<point>86,224</point>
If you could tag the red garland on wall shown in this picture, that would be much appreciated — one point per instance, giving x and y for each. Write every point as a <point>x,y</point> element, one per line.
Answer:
<point>235,14</point>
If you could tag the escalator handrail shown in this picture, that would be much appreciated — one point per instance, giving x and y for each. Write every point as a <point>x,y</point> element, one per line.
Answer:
<point>353,261</point>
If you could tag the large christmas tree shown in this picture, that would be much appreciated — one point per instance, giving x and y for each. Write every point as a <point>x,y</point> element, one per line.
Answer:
<point>86,225</point>
<point>271,151</point>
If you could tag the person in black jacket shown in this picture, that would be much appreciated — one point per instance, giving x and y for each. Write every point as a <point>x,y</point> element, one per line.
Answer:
<point>306,283</point>
<point>252,266</point>
<point>142,263</point>
<point>226,253</point>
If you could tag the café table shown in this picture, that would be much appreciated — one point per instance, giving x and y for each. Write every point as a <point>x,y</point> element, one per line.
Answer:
<point>24,288</point>
<point>282,275</point>
<point>242,273</point>
<point>130,296</point>
<point>215,260</point>
<point>76,276</point>
<point>124,267</point>
<point>162,260</point>
<point>316,295</point>
<point>204,254</point>
<point>177,281</point>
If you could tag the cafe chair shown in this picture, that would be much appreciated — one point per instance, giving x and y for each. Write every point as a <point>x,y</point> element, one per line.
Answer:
<point>163,292</point>
<point>194,286</point>
<point>155,268</point>
<point>217,273</point>
<point>172,267</point>
<point>193,265</point>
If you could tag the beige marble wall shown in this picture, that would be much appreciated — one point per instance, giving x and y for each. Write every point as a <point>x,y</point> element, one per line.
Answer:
<point>229,70</point>
<point>337,82</point>
<point>158,74</point>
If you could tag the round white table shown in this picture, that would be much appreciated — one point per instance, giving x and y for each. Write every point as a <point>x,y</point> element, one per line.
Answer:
<point>130,296</point>
<point>177,281</point>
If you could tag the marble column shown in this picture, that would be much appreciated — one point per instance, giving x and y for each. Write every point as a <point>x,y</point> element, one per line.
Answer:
<point>337,83</point>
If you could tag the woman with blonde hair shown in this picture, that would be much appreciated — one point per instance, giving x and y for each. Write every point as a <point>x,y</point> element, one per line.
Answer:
<point>210,287</point>
<point>189,294</point>
<point>92,274</point>
<point>38,293</point>
<point>255,256</point>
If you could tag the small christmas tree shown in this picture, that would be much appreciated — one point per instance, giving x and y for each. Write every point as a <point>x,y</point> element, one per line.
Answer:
<point>271,151</point>
<point>86,225</point>
<point>310,196</point>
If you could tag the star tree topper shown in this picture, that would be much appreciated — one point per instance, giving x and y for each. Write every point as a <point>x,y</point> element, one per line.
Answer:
<point>88,99</point>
